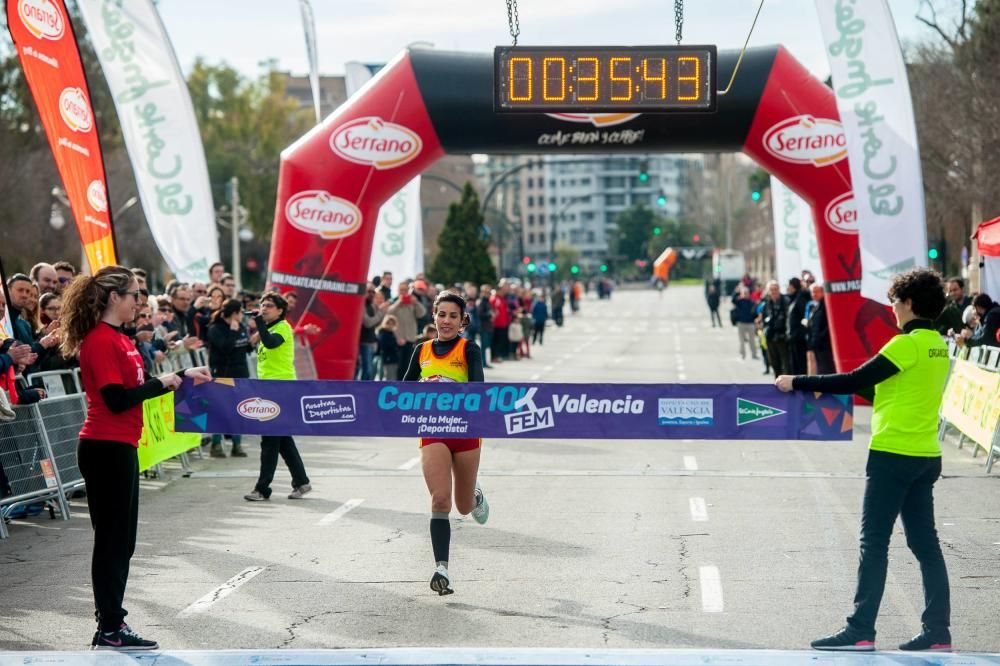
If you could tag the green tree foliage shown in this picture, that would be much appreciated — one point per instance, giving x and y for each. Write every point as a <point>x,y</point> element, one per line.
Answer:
<point>635,229</point>
<point>245,124</point>
<point>566,257</point>
<point>463,255</point>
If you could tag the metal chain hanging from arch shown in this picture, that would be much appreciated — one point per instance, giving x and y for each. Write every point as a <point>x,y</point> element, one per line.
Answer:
<point>679,19</point>
<point>512,20</point>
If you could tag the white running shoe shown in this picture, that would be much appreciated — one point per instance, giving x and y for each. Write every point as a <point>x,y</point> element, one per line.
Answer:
<point>482,511</point>
<point>440,582</point>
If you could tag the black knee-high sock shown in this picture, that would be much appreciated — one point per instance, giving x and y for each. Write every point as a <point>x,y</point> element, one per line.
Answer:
<point>440,537</point>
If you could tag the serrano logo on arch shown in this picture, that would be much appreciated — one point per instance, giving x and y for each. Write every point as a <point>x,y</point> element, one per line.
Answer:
<point>42,18</point>
<point>375,142</point>
<point>842,214</point>
<point>97,197</point>
<point>258,409</point>
<point>75,110</point>
<point>596,119</point>
<point>807,140</point>
<point>319,212</point>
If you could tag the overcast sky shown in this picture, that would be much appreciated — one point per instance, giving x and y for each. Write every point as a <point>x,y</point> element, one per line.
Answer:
<point>246,32</point>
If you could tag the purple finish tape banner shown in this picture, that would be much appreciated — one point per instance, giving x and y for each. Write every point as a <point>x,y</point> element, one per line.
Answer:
<point>502,410</point>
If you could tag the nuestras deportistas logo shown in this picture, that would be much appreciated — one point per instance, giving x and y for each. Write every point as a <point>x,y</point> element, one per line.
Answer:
<point>375,142</point>
<point>595,119</point>
<point>807,140</point>
<point>42,18</point>
<point>842,214</point>
<point>258,409</point>
<point>328,408</point>
<point>319,212</point>
<point>97,197</point>
<point>74,107</point>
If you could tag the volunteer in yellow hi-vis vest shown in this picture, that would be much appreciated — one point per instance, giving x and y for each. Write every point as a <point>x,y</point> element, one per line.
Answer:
<point>449,358</point>
<point>276,360</point>
<point>904,461</point>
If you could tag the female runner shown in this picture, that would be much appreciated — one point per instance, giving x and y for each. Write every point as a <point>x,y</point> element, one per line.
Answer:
<point>449,358</point>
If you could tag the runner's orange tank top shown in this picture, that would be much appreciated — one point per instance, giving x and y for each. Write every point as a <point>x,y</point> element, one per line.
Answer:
<point>451,367</point>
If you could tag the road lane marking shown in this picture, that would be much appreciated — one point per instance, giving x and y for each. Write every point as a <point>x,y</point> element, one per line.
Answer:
<point>410,464</point>
<point>547,368</point>
<point>690,463</point>
<point>221,592</point>
<point>341,511</point>
<point>711,589</point>
<point>682,377</point>
<point>699,511</point>
<point>535,376</point>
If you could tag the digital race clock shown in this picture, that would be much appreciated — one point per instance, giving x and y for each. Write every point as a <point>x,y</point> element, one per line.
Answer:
<point>604,78</point>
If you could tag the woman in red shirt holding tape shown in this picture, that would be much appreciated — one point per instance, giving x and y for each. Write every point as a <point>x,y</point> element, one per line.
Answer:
<point>94,310</point>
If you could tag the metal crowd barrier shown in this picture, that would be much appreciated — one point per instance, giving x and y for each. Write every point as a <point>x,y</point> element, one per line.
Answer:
<point>38,455</point>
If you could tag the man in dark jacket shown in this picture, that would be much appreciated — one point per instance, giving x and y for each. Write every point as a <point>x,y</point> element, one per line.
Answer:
<point>774,319</point>
<point>796,329</point>
<point>950,318</point>
<point>818,336</point>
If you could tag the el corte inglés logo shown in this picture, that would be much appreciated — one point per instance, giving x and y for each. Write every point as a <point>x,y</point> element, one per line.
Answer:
<point>75,110</point>
<point>97,197</point>
<point>375,142</point>
<point>842,214</point>
<point>595,119</point>
<point>258,409</point>
<point>42,18</point>
<point>319,212</point>
<point>807,140</point>
<point>748,411</point>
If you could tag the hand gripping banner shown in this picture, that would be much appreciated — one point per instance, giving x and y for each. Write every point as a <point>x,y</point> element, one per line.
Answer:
<point>50,58</point>
<point>509,410</point>
<point>426,103</point>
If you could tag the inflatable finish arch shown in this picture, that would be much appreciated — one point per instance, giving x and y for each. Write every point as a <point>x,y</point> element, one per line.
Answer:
<point>426,103</point>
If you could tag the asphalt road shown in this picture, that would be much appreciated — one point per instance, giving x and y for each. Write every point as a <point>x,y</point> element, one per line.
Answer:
<point>590,544</point>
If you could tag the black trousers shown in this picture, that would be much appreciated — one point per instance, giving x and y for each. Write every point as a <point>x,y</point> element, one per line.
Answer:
<point>270,448</point>
<point>900,486</point>
<point>797,363</point>
<point>537,333</point>
<point>777,351</point>
<point>111,472</point>
<point>501,342</point>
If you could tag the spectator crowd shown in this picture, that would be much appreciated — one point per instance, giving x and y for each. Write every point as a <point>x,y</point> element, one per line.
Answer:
<point>788,328</point>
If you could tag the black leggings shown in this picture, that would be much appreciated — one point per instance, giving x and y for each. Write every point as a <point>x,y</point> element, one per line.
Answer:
<point>111,471</point>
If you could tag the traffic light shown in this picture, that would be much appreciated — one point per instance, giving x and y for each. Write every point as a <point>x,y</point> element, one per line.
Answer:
<point>532,267</point>
<point>552,267</point>
<point>656,231</point>
<point>755,195</point>
<point>604,268</point>
<point>526,260</point>
<point>643,171</point>
<point>662,198</point>
<point>696,238</point>
<point>932,253</point>
<point>574,269</point>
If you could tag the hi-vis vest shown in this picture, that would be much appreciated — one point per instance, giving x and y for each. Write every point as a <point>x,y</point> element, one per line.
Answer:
<point>451,367</point>
<point>277,363</point>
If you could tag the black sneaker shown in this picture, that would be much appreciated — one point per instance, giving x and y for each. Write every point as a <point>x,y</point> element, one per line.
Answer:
<point>845,640</point>
<point>124,640</point>
<point>928,642</point>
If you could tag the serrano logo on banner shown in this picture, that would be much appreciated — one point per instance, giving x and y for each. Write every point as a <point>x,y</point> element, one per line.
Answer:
<point>75,110</point>
<point>375,142</point>
<point>97,197</point>
<point>807,140</point>
<point>596,119</point>
<point>842,214</point>
<point>258,409</point>
<point>319,212</point>
<point>42,18</point>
